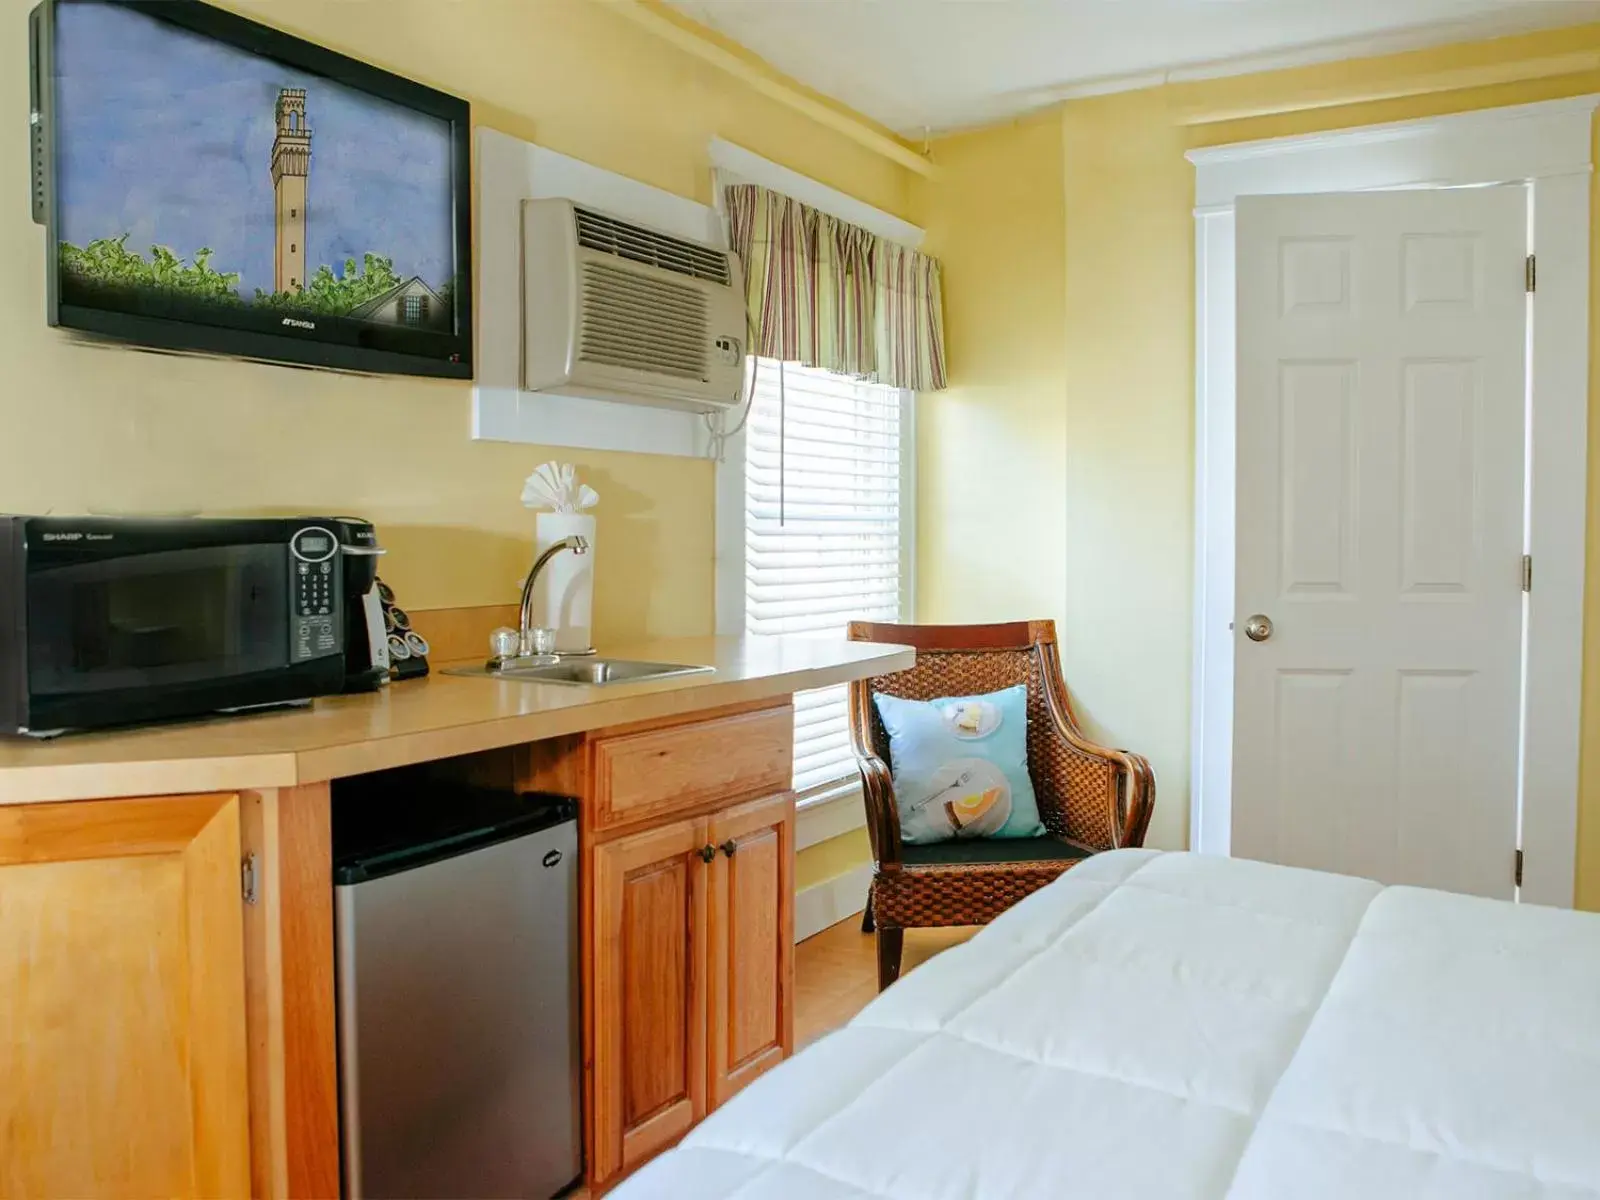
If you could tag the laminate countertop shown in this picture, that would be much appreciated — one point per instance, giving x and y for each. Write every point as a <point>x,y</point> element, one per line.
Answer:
<point>420,720</point>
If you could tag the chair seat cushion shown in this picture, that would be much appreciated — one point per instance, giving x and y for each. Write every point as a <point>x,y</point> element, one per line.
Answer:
<point>977,852</point>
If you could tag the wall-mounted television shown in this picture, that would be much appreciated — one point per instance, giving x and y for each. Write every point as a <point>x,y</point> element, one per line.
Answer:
<point>211,184</point>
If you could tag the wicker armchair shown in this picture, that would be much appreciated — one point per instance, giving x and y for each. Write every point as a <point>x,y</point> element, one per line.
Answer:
<point>1090,798</point>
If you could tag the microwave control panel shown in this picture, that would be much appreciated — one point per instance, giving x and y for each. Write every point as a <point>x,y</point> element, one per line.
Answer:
<point>314,600</point>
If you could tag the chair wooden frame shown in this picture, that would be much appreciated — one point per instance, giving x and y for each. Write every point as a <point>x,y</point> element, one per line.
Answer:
<point>1090,796</point>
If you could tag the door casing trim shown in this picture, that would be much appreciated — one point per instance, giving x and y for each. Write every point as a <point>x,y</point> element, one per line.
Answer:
<point>1549,146</point>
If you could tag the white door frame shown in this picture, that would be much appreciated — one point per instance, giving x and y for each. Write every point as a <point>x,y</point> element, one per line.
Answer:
<point>1549,146</point>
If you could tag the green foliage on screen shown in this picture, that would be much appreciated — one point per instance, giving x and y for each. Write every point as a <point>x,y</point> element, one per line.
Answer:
<point>107,262</point>
<point>336,295</point>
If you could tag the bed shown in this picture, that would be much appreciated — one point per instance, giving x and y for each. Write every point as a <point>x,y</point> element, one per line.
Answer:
<point>1168,1026</point>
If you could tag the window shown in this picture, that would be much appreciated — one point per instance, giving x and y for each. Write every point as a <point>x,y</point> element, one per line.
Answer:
<point>414,310</point>
<point>827,539</point>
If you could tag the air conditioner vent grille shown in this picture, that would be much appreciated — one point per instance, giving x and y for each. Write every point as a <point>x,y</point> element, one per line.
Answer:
<point>635,320</point>
<point>596,231</point>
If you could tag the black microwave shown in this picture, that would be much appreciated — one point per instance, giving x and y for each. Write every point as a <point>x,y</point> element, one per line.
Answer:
<point>112,620</point>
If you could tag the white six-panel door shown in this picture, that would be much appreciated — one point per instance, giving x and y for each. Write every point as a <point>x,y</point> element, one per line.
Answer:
<point>1381,408</point>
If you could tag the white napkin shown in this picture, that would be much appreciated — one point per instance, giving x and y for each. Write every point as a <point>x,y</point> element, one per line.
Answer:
<point>554,486</point>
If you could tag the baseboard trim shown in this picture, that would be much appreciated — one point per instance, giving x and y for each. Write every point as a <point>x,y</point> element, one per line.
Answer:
<point>831,901</point>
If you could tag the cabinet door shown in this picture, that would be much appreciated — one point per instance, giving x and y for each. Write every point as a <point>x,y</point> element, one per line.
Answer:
<point>647,994</point>
<point>122,1020</point>
<point>752,942</point>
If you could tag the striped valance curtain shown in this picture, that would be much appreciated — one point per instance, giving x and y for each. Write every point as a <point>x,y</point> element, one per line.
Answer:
<point>829,294</point>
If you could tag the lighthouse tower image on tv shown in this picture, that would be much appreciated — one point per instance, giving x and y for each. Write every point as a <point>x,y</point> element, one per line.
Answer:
<point>291,167</point>
<point>406,302</point>
<point>184,190</point>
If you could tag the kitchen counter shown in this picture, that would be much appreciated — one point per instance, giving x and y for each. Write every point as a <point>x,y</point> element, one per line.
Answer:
<point>418,720</point>
<point>174,926</point>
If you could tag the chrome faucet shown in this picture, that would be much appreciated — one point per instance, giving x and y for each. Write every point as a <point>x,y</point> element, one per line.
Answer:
<point>575,543</point>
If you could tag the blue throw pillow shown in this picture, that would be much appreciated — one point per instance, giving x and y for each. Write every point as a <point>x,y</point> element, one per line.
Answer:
<point>960,766</point>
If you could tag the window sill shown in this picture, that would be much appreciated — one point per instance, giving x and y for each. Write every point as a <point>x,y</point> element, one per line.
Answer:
<point>827,793</point>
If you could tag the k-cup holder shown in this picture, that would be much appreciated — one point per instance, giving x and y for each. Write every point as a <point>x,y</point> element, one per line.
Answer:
<point>408,649</point>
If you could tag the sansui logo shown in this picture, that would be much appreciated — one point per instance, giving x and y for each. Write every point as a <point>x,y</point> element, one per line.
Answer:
<point>297,323</point>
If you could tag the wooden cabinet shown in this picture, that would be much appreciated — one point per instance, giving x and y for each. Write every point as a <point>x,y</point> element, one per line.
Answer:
<point>648,993</point>
<point>751,919</point>
<point>689,927</point>
<point>668,769</point>
<point>122,1005</point>
<point>691,978</point>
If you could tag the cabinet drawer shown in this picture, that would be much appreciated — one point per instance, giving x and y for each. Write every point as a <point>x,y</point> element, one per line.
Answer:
<point>639,775</point>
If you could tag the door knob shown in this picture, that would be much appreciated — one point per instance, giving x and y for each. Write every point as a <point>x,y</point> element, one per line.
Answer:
<point>730,847</point>
<point>1258,628</point>
<point>707,852</point>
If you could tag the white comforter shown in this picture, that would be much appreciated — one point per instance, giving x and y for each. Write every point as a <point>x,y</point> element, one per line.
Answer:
<point>1166,1026</point>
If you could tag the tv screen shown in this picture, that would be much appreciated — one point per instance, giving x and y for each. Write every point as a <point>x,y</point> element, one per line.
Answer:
<point>212,184</point>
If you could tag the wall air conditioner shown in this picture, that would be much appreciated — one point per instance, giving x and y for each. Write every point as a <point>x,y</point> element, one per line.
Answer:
<point>619,311</point>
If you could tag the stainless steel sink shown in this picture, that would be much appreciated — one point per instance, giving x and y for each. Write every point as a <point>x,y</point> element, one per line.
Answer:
<point>586,672</point>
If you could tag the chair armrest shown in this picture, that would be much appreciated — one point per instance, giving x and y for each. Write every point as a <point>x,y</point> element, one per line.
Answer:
<point>883,815</point>
<point>877,784</point>
<point>1128,808</point>
<point>1138,800</point>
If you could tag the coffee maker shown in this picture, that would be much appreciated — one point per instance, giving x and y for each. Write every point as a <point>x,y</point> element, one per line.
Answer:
<point>366,641</point>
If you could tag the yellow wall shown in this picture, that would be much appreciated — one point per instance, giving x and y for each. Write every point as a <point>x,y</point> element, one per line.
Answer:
<point>1054,476</point>
<point>1109,380</point>
<point>88,428</point>
<point>991,450</point>
<point>1129,478</point>
<point>828,860</point>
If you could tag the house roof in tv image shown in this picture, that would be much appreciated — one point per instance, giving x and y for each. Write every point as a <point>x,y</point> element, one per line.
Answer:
<point>411,303</point>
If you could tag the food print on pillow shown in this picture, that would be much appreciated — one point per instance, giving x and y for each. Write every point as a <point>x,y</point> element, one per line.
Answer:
<point>971,794</point>
<point>970,798</point>
<point>960,766</point>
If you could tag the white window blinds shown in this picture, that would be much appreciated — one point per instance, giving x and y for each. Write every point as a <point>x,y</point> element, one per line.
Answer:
<point>825,541</point>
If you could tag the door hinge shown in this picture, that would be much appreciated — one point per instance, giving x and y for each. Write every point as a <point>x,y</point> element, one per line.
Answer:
<point>1519,868</point>
<point>1527,572</point>
<point>1531,274</point>
<point>250,878</point>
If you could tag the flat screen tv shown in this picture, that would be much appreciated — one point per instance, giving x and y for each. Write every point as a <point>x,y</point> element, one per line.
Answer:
<point>211,184</point>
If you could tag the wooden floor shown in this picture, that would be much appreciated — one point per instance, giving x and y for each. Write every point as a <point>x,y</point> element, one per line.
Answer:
<point>836,972</point>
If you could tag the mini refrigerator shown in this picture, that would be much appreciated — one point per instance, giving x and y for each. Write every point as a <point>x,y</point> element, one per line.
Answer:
<point>455,913</point>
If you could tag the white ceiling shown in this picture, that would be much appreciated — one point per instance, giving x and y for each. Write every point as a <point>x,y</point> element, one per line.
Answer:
<point>941,64</point>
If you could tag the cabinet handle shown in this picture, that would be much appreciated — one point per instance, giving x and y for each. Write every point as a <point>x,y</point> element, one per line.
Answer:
<point>730,847</point>
<point>707,852</point>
